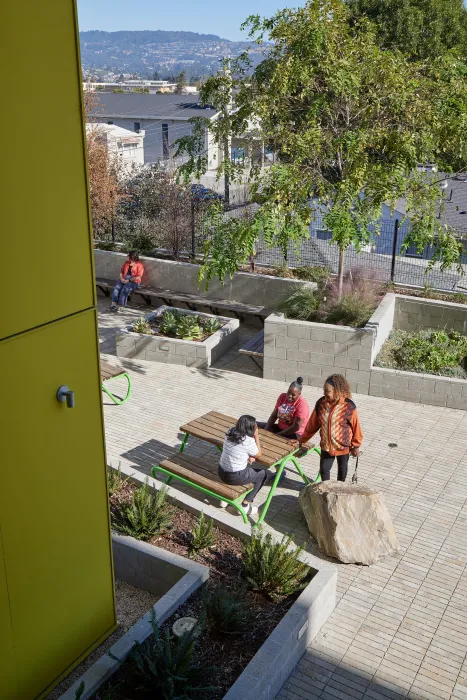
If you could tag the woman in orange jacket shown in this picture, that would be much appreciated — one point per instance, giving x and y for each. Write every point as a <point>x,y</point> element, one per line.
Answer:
<point>335,416</point>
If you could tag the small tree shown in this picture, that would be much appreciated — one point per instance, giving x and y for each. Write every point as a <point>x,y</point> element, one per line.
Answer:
<point>181,82</point>
<point>349,123</point>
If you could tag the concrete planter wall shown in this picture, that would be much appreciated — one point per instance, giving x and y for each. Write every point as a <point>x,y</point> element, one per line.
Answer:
<point>275,660</point>
<point>316,350</point>
<point>154,570</point>
<point>174,351</point>
<point>244,287</point>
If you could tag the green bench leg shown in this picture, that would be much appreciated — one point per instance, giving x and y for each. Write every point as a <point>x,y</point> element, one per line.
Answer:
<point>184,442</point>
<point>115,399</point>
<point>236,503</point>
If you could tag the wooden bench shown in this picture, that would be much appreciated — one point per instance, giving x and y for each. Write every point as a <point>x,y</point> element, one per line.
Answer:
<point>192,301</point>
<point>202,476</point>
<point>108,372</point>
<point>254,348</point>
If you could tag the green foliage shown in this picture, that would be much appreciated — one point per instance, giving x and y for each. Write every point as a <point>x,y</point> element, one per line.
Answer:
<point>226,610</point>
<point>401,24</point>
<point>350,310</point>
<point>115,481</point>
<point>146,515</point>
<point>79,691</point>
<point>169,323</point>
<point>141,325</point>
<point>210,325</point>
<point>302,304</point>
<point>188,328</point>
<point>142,242</point>
<point>273,568</point>
<point>309,273</point>
<point>431,351</point>
<point>202,535</point>
<point>165,668</point>
<point>106,245</point>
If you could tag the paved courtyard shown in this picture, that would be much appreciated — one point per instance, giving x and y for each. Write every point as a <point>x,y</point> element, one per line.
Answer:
<point>399,628</point>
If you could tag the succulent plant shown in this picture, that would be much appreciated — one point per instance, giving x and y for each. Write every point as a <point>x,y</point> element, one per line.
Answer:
<point>142,326</point>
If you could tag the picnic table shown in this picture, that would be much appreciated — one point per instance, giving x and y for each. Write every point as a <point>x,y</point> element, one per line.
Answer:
<point>276,451</point>
<point>109,371</point>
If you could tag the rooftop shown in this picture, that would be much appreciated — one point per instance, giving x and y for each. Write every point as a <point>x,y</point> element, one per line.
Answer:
<point>143,106</point>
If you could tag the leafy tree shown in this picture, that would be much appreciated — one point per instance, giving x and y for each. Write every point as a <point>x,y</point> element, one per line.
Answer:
<point>349,123</point>
<point>420,28</point>
<point>155,75</point>
<point>181,82</point>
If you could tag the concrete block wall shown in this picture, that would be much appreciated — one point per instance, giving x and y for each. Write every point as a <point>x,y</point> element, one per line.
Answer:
<point>382,323</point>
<point>419,388</point>
<point>316,350</point>
<point>175,351</point>
<point>413,314</point>
<point>244,287</point>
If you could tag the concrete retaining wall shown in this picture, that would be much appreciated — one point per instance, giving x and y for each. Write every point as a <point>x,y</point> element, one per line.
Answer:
<point>418,388</point>
<point>246,288</point>
<point>175,351</point>
<point>413,314</point>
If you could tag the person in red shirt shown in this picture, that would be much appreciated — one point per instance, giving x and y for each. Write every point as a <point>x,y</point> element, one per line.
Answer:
<point>335,417</point>
<point>130,278</point>
<point>290,414</point>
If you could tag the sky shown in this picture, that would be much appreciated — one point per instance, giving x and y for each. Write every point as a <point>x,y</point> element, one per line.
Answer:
<point>202,16</point>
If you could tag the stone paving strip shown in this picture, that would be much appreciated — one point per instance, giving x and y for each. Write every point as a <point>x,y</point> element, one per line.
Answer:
<point>399,629</point>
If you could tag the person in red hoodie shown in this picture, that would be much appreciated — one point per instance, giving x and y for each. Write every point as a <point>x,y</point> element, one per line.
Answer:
<point>130,278</point>
<point>335,417</point>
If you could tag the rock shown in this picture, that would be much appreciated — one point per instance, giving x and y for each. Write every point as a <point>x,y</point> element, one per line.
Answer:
<point>349,522</point>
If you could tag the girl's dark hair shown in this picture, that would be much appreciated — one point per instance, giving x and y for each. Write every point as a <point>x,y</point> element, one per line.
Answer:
<point>297,384</point>
<point>340,385</point>
<point>133,255</point>
<point>244,427</point>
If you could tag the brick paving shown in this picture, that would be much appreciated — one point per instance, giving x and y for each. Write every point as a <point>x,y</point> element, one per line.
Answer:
<point>399,629</point>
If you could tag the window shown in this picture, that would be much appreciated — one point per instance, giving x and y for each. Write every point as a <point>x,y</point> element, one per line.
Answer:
<point>165,141</point>
<point>109,122</point>
<point>137,126</point>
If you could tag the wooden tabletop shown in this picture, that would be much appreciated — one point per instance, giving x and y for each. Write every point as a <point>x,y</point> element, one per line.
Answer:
<point>213,426</point>
<point>108,371</point>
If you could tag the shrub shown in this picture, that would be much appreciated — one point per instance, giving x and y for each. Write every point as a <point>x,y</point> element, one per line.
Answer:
<point>115,480</point>
<point>188,328</point>
<point>432,351</point>
<point>272,568</point>
<point>142,242</point>
<point>210,325</point>
<point>169,323</point>
<point>142,326</point>
<point>106,245</point>
<point>164,667</point>
<point>147,514</point>
<point>320,275</point>
<point>350,310</point>
<point>202,535</point>
<point>302,304</point>
<point>226,610</point>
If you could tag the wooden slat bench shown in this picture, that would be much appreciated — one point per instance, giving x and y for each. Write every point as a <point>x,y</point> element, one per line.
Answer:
<point>202,475</point>
<point>192,301</point>
<point>109,371</point>
<point>254,348</point>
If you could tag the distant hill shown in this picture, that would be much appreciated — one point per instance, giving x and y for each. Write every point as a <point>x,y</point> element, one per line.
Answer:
<point>144,52</point>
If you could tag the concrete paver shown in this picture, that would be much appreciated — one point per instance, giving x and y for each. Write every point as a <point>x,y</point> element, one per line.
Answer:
<point>399,629</point>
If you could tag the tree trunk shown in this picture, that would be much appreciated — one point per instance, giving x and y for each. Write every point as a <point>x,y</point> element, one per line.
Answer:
<point>340,273</point>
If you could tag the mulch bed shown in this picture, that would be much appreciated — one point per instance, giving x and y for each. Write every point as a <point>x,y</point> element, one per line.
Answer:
<point>229,655</point>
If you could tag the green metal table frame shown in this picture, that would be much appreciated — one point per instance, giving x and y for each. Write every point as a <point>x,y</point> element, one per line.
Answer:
<point>115,399</point>
<point>279,466</point>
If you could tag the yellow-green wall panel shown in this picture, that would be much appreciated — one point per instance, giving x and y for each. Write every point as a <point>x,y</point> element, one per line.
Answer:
<point>8,683</point>
<point>45,221</point>
<point>53,500</point>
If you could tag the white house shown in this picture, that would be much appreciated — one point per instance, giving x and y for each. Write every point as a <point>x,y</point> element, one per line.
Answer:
<point>126,145</point>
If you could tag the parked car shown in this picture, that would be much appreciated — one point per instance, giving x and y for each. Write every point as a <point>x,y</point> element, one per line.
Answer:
<point>200,193</point>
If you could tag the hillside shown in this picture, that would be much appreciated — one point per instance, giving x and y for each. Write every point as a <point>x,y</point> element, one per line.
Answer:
<point>144,52</point>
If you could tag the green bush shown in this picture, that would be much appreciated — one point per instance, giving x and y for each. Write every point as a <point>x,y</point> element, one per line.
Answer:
<point>273,568</point>
<point>350,310</point>
<point>431,351</point>
<point>169,323</point>
<point>147,514</point>
<point>202,535</point>
<point>163,667</point>
<point>188,328</point>
<point>142,242</point>
<point>308,273</point>
<point>302,304</point>
<point>106,245</point>
<point>226,610</point>
<point>142,326</point>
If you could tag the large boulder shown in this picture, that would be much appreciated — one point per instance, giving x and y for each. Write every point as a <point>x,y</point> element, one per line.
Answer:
<point>349,522</point>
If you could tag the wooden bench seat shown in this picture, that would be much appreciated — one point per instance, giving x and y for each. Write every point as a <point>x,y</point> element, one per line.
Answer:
<point>109,371</point>
<point>254,348</point>
<point>192,301</point>
<point>203,476</point>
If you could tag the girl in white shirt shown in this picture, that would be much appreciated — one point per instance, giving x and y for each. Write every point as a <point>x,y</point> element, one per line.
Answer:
<point>242,448</point>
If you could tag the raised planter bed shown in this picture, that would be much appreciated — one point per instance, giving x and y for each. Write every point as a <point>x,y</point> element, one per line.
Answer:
<point>175,351</point>
<point>264,674</point>
<point>316,350</point>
